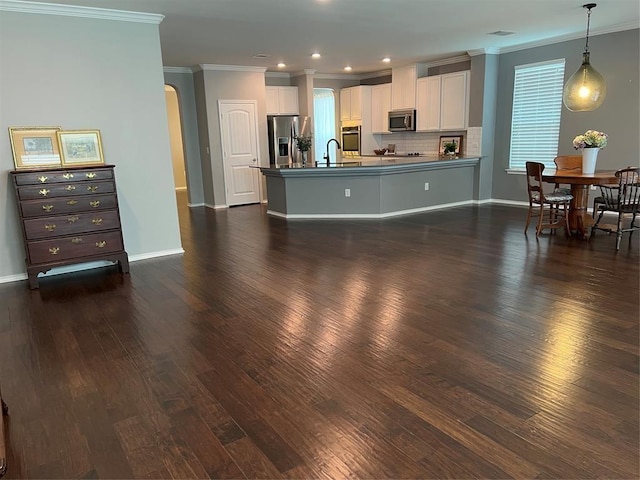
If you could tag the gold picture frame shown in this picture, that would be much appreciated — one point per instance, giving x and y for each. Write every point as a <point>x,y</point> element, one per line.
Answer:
<point>35,147</point>
<point>80,147</point>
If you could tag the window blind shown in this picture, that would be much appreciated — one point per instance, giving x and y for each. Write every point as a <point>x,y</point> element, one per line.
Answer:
<point>535,118</point>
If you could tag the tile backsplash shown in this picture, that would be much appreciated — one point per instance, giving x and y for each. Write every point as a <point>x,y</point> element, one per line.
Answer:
<point>425,142</point>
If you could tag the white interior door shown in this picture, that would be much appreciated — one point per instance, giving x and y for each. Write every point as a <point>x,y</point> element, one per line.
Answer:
<point>239,132</point>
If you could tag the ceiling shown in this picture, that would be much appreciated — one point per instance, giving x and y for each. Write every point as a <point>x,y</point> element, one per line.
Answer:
<point>360,33</point>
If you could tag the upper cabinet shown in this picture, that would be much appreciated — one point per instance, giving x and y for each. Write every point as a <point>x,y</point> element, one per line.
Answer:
<point>351,103</point>
<point>443,102</point>
<point>282,100</point>
<point>403,86</point>
<point>380,106</point>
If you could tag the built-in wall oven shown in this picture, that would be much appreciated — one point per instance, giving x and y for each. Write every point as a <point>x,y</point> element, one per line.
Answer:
<point>351,140</point>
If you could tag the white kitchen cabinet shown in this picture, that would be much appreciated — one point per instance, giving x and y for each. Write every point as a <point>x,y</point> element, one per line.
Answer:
<point>351,103</point>
<point>443,102</point>
<point>380,106</point>
<point>403,87</point>
<point>428,103</point>
<point>282,100</point>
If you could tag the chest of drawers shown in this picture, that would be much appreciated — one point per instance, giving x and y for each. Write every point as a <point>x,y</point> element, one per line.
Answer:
<point>68,216</point>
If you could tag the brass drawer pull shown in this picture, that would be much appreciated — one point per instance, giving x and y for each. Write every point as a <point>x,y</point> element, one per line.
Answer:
<point>92,188</point>
<point>91,175</point>
<point>95,203</point>
<point>42,179</point>
<point>70,188</point>
<point>50,227</point>
<point>54,250</point>
<point>72,202</point>
<point>101,244</point>
<point>67,176</point>
<point>72,219</point>
<point>44,192</point>
<point>96,221</point>
<point>77,240</point>
<point>47,208</point>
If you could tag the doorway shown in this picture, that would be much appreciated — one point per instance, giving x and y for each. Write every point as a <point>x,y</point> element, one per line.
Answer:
<point>175,138</point>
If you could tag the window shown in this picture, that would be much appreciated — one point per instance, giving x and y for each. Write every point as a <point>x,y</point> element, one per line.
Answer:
<point>535,119</point>
<point>324,122</point>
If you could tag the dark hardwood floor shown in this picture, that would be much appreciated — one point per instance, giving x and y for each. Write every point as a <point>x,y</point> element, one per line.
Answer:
<point>439,345</point>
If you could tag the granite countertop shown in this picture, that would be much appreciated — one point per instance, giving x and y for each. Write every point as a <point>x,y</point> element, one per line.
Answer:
<point>377,161</point>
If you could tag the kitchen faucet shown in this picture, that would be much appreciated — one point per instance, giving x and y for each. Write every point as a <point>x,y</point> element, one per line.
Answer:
<point>326,157</point>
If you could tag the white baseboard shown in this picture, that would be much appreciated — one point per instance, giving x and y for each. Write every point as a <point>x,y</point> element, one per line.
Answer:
<point>193,205</point>
<point>79,267</point>
<point>215,207</point>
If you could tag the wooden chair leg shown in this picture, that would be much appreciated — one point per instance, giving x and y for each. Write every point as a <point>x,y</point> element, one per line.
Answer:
<point>540,219</point>
<point>526,225</point>
<point>567,228</point>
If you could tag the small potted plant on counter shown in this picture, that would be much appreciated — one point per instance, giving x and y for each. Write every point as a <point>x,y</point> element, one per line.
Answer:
<point>450,148</point>
<point>303,142</point>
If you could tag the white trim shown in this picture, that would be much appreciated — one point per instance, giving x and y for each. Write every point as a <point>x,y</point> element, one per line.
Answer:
<point>336,76</point>
<point>21,6</point>
<point>230,68</point>
<point>306,71</point>
<point>215,207</point>
<point>571,36</point>
<point>177,69</point>
<point>381,73</point>
<point>484,51</point>
<point>192,205</point>
<point>515,171</point>
<point>538,64</point>
<point>320,216</point>
<point>160,253</point>
<point>513,203</point>
<point>14,278</point>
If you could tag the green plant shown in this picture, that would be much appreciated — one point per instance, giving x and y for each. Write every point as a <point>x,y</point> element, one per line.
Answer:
<point>303,142</point>
<point>450,147</point>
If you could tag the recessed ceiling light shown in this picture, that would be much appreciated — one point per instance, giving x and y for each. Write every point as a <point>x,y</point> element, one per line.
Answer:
<point>348,68</point>
<point>386,59</point>
<point>501,33</point>
<point>282,65</point>
<point>315,55</point>
<point>261,55</point>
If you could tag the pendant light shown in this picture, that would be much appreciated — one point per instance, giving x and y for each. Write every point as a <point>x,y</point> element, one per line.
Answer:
<point>585,90</point>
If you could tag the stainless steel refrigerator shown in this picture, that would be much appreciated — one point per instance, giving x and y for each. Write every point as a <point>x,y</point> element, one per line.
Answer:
<point>282,146</point>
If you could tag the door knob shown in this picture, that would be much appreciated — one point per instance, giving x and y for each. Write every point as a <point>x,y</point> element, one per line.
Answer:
<point>255,160</point>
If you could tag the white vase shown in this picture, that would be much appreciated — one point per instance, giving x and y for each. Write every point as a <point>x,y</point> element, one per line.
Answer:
<point>589,157</point>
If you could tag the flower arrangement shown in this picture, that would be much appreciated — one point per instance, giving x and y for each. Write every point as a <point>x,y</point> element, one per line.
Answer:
<point>450,147</point>
<point>590,139</point>
<point>303,142</point>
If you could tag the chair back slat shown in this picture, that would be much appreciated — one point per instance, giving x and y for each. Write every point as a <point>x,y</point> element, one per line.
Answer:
<point>628,189</point>
<point>534,180</point>
<point>569,162</point>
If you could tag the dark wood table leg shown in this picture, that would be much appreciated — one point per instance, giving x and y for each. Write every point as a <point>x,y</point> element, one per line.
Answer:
<point>578,220</point>
<point>3,450</point>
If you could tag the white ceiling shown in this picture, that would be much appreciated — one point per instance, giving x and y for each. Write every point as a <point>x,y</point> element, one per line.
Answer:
<point>361,32</point>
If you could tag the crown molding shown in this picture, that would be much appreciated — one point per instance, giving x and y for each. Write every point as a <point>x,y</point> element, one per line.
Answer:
<point>336,76</point>
<point>177,69</point>
<point>230,68</point>
<point>21,6</point>
<point>484,51</point>
<point>573,36</point>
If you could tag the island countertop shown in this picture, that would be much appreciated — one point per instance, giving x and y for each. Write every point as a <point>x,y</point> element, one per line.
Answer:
<point>370,164</point>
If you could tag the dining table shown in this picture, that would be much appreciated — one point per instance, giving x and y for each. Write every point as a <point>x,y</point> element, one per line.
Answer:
<point>579,220</point>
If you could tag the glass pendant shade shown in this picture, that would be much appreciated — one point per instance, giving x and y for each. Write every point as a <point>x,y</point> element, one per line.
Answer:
<point>585,90</point>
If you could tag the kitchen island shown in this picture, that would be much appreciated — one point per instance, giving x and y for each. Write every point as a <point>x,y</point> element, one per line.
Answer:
<point>371,187</point>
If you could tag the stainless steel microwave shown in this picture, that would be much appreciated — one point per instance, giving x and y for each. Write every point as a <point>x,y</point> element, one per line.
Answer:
<point>402,120</point>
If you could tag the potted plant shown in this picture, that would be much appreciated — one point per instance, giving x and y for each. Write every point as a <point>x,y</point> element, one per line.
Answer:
<point>590,142</point>
<point>303,142</point>
<point>450,148</point>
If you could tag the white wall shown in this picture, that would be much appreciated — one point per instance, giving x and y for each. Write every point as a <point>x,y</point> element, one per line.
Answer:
<point>97,74</point>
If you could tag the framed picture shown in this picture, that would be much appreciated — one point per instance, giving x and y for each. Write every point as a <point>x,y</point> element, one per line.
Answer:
<point>35,147</point>
<point>80,147</point>
<point>450,145</point>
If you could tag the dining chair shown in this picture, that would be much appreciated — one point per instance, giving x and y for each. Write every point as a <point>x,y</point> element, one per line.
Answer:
<point>567,162</point>
<point>622,199</point>
<point>545,206</point>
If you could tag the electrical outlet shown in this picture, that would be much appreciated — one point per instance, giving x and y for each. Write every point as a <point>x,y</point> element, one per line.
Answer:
<point>426,186</point>
<point>347,192</point>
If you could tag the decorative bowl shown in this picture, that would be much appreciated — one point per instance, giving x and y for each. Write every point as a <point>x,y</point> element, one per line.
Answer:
<point>380,152</point>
